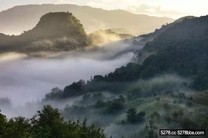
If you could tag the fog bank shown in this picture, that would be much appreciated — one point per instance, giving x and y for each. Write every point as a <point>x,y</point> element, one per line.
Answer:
<point>24,79</point>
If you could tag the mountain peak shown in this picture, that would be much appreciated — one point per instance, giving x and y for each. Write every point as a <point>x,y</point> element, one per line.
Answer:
<point>58,24</point>
<point>54,31</point>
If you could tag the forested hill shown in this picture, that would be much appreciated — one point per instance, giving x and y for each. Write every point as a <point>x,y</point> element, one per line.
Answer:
<point>181,49</point>
<point>55,31</point>
<point>188,31</point>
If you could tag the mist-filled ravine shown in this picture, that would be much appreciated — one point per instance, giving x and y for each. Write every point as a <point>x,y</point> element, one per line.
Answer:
<point>25,79</point>
<point>57,80</point>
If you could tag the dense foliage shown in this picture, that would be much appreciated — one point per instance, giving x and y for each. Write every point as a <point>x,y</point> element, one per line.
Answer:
<point>111,106</point>
<point>47,123</point>
<point>163,102</point>
<point>178,49</point>
<point>181,49</point>
<point>114,82</point>
<point>134,117</point>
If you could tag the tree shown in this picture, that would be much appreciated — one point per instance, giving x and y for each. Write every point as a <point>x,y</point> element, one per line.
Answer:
<point>47,123</point>
<point>55,94</point>
<point>18,127</point>
<point>75,89</point>
<point>149,130</point>
<point>155,116</point>
<point>3,122</point>
<point>115,105</point>
<point>134,117</point>
<point>131,115</point>
<point>100,103</point>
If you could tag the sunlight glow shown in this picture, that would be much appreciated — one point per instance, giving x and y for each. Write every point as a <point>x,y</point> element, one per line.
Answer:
<point>174,9</point>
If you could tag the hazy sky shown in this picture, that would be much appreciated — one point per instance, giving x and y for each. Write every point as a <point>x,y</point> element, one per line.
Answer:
<point>171,8</point>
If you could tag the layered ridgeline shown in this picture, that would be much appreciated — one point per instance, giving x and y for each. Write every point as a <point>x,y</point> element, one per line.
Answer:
<point>17,19</point>
<point>54,32</point>
<point>178,48</point>
<point>162,92</point>
<point>146,38</point>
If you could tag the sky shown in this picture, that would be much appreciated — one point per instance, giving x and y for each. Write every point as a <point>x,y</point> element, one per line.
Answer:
<point>169,8</point>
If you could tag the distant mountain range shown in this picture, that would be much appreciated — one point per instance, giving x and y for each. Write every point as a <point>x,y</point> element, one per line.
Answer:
<point>21,18</point>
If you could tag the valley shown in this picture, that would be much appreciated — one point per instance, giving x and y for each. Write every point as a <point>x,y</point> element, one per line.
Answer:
<point>59,80</point>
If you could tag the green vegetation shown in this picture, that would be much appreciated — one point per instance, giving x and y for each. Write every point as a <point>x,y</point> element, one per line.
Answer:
<point>115,105</point>
<point>164,100</point>
<point>115,82</point>
<point>111,106</point>
<point>134,117</point>
<point>180,50</point>
<point>47,123</point>
<point>147,113</point>
<point>200,98</point>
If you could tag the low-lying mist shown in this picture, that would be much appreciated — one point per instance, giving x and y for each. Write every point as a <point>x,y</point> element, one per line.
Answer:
<point>142,95</point>
<point>26,78</point>
<point>164,83</point>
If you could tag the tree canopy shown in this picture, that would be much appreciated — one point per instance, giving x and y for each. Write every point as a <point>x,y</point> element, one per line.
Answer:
<point>47,123</point>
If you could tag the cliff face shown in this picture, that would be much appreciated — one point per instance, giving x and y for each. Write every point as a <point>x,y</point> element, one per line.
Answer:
<point>55,31</point>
